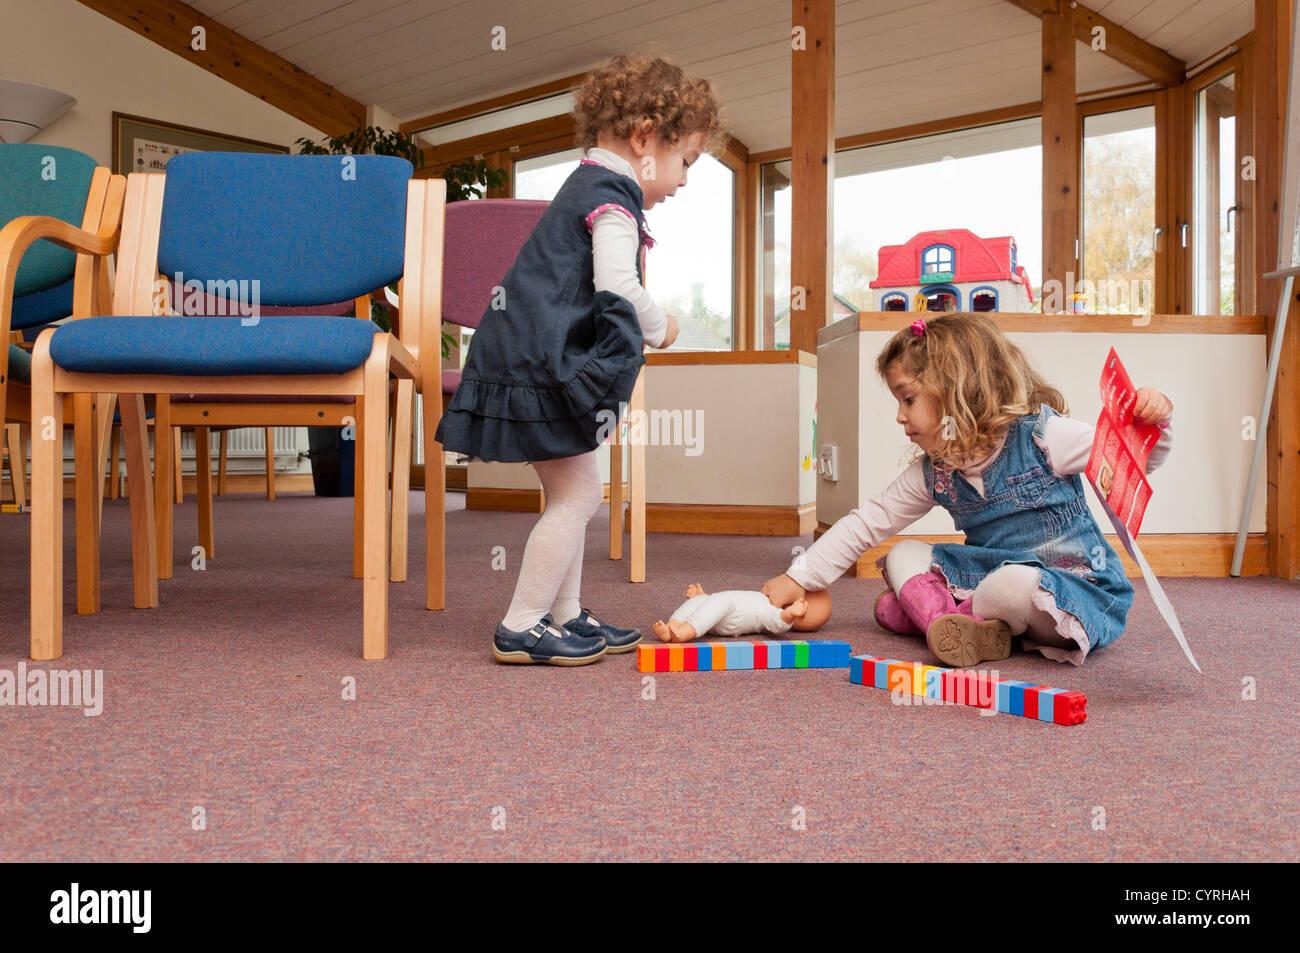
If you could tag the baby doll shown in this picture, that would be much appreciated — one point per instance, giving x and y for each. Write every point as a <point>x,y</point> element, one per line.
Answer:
<point>737,612</point>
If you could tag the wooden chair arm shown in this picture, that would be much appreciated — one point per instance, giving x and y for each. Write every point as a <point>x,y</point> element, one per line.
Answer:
<point>24,231</point>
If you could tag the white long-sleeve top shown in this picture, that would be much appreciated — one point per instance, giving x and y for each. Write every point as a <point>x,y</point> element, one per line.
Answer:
<point>615,245</point>
<point>1067,443</point>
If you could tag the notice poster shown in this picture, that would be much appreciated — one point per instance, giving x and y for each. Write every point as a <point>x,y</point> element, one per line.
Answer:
<point>1120,448</point>
<point>153,156</point>
<point>1117,471</point>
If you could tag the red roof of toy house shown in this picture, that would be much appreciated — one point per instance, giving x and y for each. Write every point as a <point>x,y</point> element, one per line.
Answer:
<point>976,259</point>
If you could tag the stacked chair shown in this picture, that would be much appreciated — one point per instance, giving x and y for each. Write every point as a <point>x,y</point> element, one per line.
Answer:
<point>52,269</point>
<point>310,230</point>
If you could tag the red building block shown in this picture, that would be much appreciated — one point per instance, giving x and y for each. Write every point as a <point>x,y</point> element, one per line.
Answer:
<point>760,655</point>
<point>1071,708</point>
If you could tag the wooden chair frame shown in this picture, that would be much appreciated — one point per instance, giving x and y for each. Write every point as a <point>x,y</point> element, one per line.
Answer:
<point>415,359</point>
<point>635,489</point>
<point>91,414</point>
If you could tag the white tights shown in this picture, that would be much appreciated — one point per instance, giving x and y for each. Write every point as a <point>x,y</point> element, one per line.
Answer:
<point>550,574</point>
<point>1006,593</point>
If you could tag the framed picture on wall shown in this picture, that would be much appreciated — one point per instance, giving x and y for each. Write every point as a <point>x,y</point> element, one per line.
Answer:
<point>145,145</point>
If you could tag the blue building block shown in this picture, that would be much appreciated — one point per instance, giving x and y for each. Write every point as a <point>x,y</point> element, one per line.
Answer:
<point>1015,697</point>
<point>788,654</point>
<point>704,657</point>
<point>817,654</point>
<point>855,670</point>
<point>740,655</point>
<point>1047,703</point>
<point>880,677</point>
<point>934,683</point>
<point>837,653</point>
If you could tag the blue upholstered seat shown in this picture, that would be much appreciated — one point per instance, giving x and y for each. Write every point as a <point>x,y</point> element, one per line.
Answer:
<point>212,347</point>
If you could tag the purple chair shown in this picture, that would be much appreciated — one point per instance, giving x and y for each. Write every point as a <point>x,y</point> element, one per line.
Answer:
<point>483,238</point>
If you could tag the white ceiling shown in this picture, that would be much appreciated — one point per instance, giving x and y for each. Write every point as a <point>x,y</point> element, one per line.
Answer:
<point>897,61</point>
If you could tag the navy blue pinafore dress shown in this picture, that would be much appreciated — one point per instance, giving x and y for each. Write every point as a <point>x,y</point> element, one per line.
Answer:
<point>545,371</point>
<point>1034,517</point>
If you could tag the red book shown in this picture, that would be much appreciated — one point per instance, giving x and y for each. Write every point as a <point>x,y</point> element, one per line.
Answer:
<point>1120,448</point>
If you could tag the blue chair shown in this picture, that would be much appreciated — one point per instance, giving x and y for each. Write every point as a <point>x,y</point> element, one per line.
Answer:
<point>63,214</point>
<point>285,231</point>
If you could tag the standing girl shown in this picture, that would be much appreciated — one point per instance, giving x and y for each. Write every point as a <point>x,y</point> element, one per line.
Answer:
<point>544,372</point>
<point>999,456</point>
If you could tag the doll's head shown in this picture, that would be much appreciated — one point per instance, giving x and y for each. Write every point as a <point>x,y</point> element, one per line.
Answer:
<point>817,613</point>
<point>959,384</point>
<point>649,105</point>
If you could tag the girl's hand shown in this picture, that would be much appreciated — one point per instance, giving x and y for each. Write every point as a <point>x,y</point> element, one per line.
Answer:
<point>782,591</point>
<point>671,335</point>
<point>1152,407</point>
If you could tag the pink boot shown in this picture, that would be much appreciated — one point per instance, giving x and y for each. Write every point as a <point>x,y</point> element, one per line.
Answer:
<point>955,635</point>
<point>891,617</point>
<point>924,598</point>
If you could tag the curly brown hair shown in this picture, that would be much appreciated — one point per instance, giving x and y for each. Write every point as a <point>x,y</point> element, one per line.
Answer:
<point>619,96</point>
<point>981,380</point>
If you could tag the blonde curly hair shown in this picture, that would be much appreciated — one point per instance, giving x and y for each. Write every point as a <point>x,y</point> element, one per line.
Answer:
<point>981,380</point>
<point>619,96</point>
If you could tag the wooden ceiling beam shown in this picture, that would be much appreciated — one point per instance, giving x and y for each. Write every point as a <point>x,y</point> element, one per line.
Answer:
<point>239,61</point>
<point>1121,45</point>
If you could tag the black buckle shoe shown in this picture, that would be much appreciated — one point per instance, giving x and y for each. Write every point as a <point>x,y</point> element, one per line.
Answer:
<point>546,642</point>
<point>616,640</point>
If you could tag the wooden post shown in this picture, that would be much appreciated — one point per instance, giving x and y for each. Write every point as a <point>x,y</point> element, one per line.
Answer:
<point>1060,154</point>
<point>1271,62</point>
<point>1271,56</point>
<point>1283,454</point>
<point>812,144</point>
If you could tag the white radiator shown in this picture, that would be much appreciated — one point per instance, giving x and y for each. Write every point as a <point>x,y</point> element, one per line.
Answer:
<point>246,450</point>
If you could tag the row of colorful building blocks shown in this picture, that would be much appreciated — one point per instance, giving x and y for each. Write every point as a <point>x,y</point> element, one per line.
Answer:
<point>717,656</point>
<point>969,687</point>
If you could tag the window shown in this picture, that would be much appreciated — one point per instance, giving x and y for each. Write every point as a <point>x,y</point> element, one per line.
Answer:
<point>987,179</point>
<point>541,177</point>
<point>690,270</point>
<point>894,301</point>
<point>943,298</point>
<point>937,261</point>
<point>1214,205</point>
<point>984,299</point>
<point>1119,213</point>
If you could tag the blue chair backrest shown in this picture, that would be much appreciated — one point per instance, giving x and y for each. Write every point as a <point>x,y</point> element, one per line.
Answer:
<point>310,230</point>
<point>44,180</point>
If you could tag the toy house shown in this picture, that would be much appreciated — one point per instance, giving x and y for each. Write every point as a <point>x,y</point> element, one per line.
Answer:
<point>956,270</point>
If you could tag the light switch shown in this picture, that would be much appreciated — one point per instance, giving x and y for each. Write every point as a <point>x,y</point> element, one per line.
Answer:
<point>828,462</point>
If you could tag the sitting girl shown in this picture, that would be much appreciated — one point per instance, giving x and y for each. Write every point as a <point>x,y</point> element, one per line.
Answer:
<point>998,455</point>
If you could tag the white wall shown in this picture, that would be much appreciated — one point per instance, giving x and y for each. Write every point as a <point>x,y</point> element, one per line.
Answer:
<point>720,434</point>
<point>106,67</point>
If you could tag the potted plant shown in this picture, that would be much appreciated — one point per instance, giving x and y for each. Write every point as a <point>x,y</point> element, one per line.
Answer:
<point>332,456</point>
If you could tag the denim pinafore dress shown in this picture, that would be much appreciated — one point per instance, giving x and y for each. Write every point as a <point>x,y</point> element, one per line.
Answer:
<point>548,369</point>
<point>1034,517</point>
